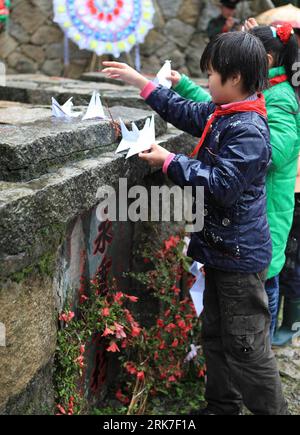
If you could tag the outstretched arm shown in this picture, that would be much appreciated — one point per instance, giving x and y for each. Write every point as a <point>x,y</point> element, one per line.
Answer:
<point>186,115</point>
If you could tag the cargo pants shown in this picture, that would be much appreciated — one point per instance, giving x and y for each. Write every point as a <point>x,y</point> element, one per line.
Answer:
<point>241,367</point>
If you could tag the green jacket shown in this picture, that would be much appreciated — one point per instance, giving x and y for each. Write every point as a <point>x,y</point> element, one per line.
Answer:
<point>284,123</point>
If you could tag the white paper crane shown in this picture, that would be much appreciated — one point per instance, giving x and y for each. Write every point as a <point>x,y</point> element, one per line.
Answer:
<point>163,73</point>
<point>137,141</point>
<point>128,137</point>
<point>64,111</point>
<point>95,109</point>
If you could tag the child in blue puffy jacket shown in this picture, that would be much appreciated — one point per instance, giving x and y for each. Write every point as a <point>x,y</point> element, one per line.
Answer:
<point>231,163</point>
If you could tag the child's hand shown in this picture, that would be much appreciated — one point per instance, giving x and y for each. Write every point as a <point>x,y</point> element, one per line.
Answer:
<point>250,24</point>
<point>156,157</point>
<point>117,70</point>
<point>175,78</point>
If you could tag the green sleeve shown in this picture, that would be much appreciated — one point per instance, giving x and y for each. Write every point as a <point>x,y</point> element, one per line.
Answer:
<point>186,88</point>
<point>284,136</point>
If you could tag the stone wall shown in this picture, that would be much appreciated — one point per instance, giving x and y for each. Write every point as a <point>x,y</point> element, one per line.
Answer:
<point>35,44</point>
<point>50,173</point>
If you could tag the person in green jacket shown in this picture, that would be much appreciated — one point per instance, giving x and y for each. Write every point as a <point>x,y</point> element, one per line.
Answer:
<point>284,122</point>
<point>290,283</point>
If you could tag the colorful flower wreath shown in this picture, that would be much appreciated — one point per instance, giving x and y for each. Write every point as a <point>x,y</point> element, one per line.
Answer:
<point>105,26</point>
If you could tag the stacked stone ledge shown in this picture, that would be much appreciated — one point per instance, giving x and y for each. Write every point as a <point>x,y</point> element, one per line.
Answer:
<point>50,171</point>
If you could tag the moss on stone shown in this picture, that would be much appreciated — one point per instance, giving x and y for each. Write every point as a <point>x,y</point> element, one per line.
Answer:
<point>45,267</point>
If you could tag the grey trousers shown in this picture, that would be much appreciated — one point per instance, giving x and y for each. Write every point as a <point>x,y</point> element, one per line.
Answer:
<point>241,367</point>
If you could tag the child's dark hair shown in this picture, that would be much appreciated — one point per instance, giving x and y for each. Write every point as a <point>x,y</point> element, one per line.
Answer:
<point>284,54</point>
<point>238,53</point>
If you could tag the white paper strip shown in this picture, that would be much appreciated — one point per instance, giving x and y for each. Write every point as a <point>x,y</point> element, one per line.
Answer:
<point>197,291</point>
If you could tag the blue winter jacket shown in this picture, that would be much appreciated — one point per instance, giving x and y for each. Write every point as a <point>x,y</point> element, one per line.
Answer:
<point>232,166</point>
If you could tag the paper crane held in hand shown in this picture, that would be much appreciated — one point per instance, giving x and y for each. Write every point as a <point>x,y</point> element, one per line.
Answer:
<point>163,73</point>
<point>136,141</point>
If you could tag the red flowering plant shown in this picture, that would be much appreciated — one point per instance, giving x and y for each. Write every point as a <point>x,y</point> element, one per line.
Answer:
<point>159,363</point>
<point>111,317</point>
<point>153,358</point>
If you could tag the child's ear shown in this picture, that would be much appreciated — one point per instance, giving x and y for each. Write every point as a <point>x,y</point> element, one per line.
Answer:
<point>236,80</point>
<point>270,60</point>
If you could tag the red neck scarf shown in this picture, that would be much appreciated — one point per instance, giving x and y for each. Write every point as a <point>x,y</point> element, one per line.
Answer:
<point>278,79</point>
<point>258,106</point>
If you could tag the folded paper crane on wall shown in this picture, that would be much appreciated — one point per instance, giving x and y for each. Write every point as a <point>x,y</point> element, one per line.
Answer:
<point>94,111</point>
<point>136,141</point>
<point>65,111</point>
<point>105,26</point>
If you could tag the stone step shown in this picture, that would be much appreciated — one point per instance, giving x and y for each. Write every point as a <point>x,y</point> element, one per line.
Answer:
<point>34,214</point>
<point>100,78</point>
<point>32,141</point>
<point>38,89</point>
